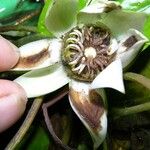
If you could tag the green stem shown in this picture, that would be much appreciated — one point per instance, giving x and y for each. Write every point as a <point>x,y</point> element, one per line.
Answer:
<point>137,78</point>
<point>119,112</point>
<point>26,124</point>
<point>105,147</point>
<point>27,16</point>
<point>18,28</point>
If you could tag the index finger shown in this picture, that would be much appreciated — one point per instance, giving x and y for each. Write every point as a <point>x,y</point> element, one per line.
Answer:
<point>9,54</point>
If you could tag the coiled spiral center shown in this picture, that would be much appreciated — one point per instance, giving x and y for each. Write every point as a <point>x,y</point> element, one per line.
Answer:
<point>86,52</point>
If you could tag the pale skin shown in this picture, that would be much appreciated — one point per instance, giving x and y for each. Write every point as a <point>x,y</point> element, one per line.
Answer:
<point>12,96</point>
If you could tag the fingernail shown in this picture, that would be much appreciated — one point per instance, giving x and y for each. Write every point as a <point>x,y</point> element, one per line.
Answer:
<point>9,54</point>
<point>15,48</point>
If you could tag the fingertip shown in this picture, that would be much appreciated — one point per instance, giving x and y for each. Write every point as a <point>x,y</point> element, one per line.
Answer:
<point>9,54</point>
<point>12,103</point>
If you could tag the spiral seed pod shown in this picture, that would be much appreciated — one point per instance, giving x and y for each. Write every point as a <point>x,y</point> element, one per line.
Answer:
<point>87,52</point>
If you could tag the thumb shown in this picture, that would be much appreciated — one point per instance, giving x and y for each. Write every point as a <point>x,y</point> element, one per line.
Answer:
<point>12,103</point>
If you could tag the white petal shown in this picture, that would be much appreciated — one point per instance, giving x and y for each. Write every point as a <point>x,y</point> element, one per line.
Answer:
<point>94,8</point>
<point>94,12</point>
<point>99,6</point>
<point>99,138</point>
<point>39,54</point>
<point>79,86</point>
<point>110,77</point>
<point>113,46</point>
<point>93,115</point>
<point>42,81</point>
<point>127,55</point>
<point>55,48</point>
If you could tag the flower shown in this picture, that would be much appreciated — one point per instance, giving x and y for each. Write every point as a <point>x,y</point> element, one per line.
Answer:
<point>92,47</point>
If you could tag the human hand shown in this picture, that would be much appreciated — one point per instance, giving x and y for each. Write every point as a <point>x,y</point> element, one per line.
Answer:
<point>12,96</point>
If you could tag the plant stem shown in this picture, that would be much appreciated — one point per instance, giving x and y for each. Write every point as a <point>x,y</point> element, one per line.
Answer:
<point>105,147</point>
<point>119,112</point>
<point>27,16</point>
<point>18,28</point>
<point>26,124</point>
<point>137,78</point>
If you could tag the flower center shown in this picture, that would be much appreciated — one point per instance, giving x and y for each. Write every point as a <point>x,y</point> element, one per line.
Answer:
<point>86,52</point>
<point>90,52</point>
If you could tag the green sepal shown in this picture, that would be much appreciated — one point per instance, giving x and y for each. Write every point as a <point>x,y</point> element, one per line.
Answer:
<point>58,16</point>
<point>120,21</point>
<point>138,6</point>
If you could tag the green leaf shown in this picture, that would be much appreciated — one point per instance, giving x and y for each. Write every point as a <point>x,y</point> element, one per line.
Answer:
<point>136,5</point>
<point>40,135</point>
<point>37,140</point>
<point>8,9</point>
